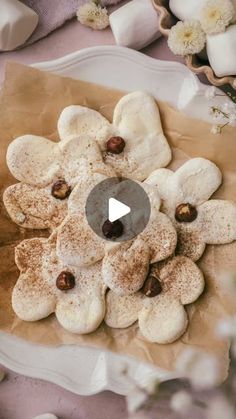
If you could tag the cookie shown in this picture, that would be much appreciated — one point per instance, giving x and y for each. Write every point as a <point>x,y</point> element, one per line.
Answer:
<point>126,265</point>
<point>185,199</point>
<point>46,285</point>
<point>47,173</point>
<point>159,306</point>
<point>77,243</point>
<point>134,144</point>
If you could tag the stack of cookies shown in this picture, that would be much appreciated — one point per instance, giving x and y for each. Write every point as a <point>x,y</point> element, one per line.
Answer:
<point>84,278</point>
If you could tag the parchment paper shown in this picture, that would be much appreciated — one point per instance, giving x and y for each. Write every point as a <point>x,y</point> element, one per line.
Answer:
<point>31,102</point>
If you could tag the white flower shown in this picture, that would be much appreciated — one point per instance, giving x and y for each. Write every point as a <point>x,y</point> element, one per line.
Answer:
<point>135,399</point>
<point>220,408</point>
<point>210,92</point>
<point>227,327</point>
<point>186,38</point>
<point>216,15</point>
<point>181,402</point>
<point>201,368</point>
<point>90,14</point>
<point>216,129</point>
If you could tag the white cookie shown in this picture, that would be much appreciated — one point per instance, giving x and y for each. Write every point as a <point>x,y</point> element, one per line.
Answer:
<point>39,163</point>
<point>125,264</point>
<point>204,222</point>
<point>161,315</point>
<point>80,309</point>
<point>137,120</point>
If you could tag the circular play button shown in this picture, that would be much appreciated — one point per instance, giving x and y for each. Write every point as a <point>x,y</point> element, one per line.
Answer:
<point>118,209</point>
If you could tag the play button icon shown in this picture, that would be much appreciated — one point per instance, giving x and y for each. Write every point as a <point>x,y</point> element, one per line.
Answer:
<point>117,209</point>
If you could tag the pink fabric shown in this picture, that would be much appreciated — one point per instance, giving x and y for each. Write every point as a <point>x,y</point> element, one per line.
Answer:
<point>53,14</point>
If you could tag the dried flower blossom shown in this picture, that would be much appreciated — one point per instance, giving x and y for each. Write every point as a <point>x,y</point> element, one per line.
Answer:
<point>93,15</point>
<point>186,38</point>
<point>216,15</point>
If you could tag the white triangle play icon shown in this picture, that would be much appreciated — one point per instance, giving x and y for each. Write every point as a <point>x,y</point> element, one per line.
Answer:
<point>117,209</point>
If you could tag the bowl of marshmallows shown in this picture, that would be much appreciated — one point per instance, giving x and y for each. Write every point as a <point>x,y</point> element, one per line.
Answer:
<point>204,33</point>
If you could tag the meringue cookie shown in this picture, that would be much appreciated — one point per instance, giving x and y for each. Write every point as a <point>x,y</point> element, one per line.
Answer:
<point>162,318</point>
<point>39,163</point>
<point>137,120</point>
<point>78,244</point>
<point>212,222</point>
<point>125,266</point>
<point>35,296</point>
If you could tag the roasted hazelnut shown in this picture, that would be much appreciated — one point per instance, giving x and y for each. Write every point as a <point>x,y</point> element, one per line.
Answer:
<point>151,287</point>
<point>112,230</point>
<point>65,281</point>
<point>115,145</point>
<point>61,189</point>
<point>185,213</point>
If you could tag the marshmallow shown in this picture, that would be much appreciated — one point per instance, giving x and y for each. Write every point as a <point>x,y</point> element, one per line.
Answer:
<point>135,25</point>
<point>17,22</point>
<point>186,10</point>
<point>221,51</point>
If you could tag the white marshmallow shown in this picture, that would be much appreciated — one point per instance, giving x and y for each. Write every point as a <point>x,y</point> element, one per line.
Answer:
<point>17,22</point>
<point>221,51</point>
<point>135,25</point>
<point>185,10</point>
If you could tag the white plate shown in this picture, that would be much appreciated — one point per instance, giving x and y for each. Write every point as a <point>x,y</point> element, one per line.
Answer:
<point>86,370</point>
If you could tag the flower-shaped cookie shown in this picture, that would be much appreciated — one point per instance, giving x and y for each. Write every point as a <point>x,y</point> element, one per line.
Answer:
<point>159,306</point>
<point>47,172</point>
<point>126,264</point>
<point>134,144</point>
<point>185,195</point>
<point>46,285</point>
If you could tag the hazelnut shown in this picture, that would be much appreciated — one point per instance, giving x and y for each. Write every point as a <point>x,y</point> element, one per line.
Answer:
<point>185,213</point>
<point>151,287</point>
<point>65,281</point>
<point>115,145</point>
<point>60,189</point>
<point>112,230</point>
